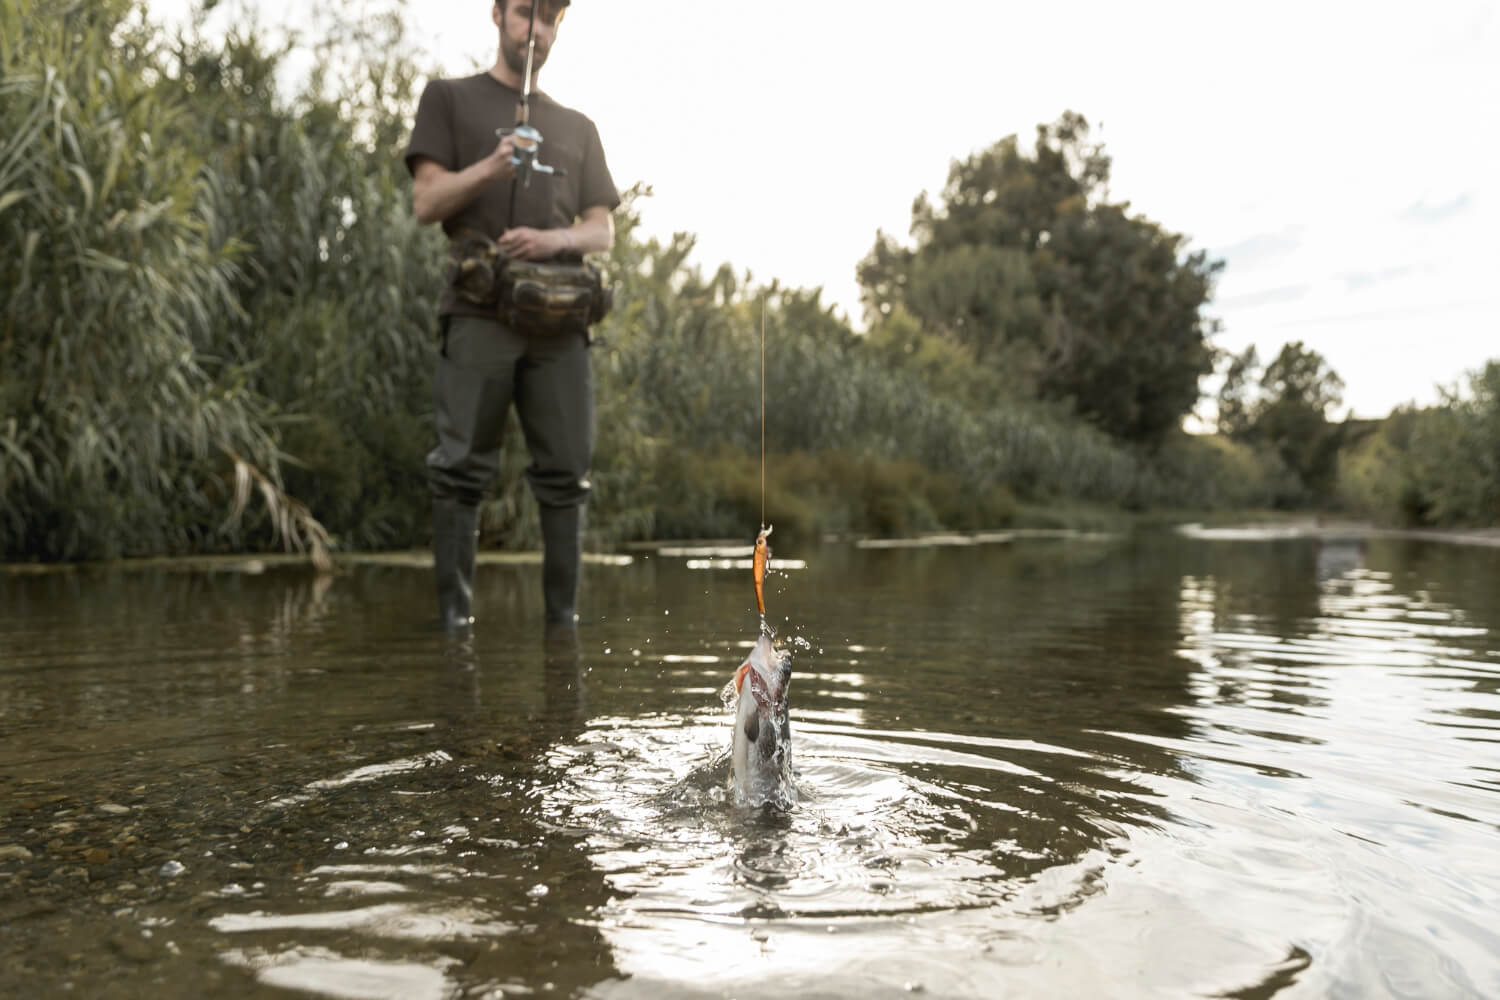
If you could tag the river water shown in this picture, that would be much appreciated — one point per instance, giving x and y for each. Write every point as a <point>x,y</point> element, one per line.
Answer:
<point>1065,766</point>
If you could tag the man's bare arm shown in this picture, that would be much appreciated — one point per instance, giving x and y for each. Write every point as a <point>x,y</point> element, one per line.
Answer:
<point>437,192</point>
<point>594,232</point>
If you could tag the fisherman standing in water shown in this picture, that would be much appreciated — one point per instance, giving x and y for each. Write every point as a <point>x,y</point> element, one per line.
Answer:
<point>519,215</point>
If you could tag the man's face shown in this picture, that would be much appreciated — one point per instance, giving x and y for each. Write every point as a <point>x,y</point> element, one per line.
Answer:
<point>514,23</point>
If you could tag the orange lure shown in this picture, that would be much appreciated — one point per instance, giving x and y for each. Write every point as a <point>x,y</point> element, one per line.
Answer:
<point>758,566</point>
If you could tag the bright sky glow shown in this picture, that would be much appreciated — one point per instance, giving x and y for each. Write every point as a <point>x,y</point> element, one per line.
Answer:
<point>1343,158</point>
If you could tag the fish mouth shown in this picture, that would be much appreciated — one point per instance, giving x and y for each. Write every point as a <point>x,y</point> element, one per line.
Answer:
<point>765,696</point>
<point>767,672</point>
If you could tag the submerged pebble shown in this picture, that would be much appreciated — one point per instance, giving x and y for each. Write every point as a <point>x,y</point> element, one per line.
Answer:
<point>132,948</point>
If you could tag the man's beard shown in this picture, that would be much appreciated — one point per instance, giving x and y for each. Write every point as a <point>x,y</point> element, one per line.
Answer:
<point>514,55</point>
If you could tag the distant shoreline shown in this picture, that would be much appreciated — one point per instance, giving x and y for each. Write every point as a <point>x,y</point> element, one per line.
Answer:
<point>1242,531</point>
<point>1336,530</point>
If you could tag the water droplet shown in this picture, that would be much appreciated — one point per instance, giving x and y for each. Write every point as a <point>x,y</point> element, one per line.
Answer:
<point>172,869</point>
<point>537,891</point>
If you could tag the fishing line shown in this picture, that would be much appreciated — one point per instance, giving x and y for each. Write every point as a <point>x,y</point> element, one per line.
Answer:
<point>763,412</point>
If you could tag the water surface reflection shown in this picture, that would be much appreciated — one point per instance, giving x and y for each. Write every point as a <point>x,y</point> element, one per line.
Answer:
<point>1154,766</point>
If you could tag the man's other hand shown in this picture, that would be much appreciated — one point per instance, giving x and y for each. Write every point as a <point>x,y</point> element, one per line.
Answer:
<point>525,243</point>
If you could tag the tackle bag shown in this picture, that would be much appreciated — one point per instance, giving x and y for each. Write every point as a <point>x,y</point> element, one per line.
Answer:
<point>537,298</point>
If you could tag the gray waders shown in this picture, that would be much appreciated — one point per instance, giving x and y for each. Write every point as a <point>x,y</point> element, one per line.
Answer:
<point>455,535</point>
<point>483,369</point>
<point>562,553</point>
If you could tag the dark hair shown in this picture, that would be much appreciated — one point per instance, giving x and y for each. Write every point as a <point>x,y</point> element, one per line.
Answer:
<point>565,3</point>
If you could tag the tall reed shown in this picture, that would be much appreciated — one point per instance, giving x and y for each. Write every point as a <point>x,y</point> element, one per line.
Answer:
<point>113,426</point>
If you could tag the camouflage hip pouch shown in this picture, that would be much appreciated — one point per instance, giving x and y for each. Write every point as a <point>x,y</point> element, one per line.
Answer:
<point>534,298</point>
<point>545,298</point>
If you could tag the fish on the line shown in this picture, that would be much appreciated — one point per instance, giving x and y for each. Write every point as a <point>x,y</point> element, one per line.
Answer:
<point>761,753</point>
<point>761,756</point>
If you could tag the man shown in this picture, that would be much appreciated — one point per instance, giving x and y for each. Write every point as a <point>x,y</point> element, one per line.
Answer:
<point>464,177</point>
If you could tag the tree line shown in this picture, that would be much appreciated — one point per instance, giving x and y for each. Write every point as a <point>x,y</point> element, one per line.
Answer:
<point>218,335</point>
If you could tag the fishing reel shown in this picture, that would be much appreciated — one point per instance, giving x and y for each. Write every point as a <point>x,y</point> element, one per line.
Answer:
<point>527,143</point>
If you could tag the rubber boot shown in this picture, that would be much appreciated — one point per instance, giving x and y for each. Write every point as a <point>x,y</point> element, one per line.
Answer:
<point>455,536</point>
<point>562,552</point>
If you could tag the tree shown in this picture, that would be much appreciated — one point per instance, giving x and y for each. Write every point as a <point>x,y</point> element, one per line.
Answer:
<point>1238,394</point>
<point>1291,415</point>
<point>983,297</point>
<point>1124,339</point>
<point>1026,248</point>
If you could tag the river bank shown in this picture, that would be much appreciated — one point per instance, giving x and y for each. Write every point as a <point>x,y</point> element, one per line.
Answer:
<point>1335,530</point>
<point>1079,522</point>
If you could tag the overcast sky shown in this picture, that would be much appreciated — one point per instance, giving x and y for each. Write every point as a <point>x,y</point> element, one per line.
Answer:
<point>1342,158</point>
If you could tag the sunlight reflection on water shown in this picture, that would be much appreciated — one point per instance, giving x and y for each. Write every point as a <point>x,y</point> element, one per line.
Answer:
<point>1168,768</point>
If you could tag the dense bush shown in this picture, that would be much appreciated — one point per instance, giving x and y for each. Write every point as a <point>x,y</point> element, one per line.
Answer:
<point>1433,467</point>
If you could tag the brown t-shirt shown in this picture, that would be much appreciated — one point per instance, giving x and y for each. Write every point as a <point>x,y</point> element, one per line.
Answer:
<point>455,127</point>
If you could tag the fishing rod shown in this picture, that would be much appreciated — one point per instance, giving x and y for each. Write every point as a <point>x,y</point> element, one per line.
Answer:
<point>526,140</point>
